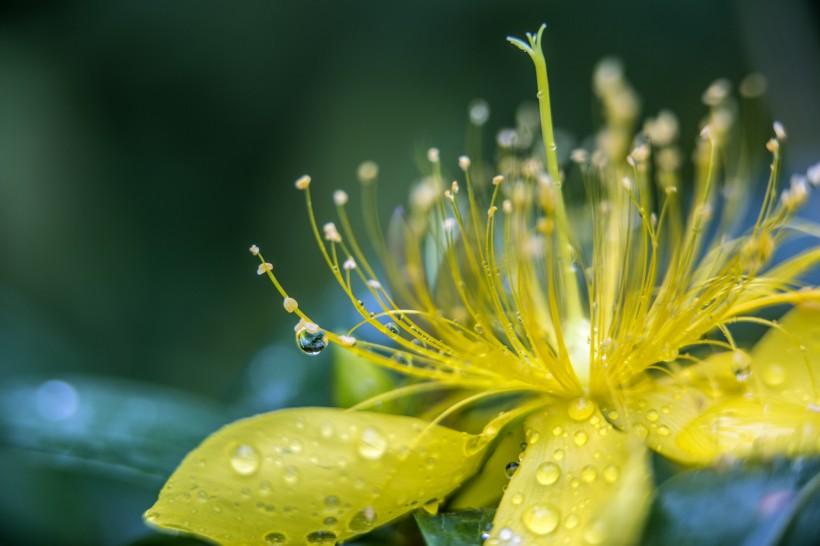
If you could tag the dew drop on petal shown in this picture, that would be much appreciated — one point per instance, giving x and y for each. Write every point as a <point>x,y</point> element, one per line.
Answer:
<point>274,539</point>
<point>611,474</point>
<point>541,518</point>
<point>363,520</point>
<point>245,460</point>
<point>580,438</point>
<point>594,534</point>
<point>547,473</point>
<point>589,473</point>
<point>662,430</point>
<point>311,343</point>
<point>291,475</point>
<point>571,521</point>
<point>321,537</point>
<point>652,415</point>
<point>517,499</point>
<point>581,409</point>
<point>331,501</point>
<point>372,444</point>
<point>510,469</point>
<point>558,454</point>
<point>774,374</point>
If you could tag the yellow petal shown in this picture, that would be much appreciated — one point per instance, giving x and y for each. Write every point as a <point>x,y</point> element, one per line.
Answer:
<point>741,427</point>
<point>657,409</point>
<point>786,363</point>
<point>312,475</point>
<point>580,481</point>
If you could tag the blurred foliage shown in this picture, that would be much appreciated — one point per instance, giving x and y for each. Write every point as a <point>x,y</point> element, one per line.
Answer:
<point>145,145</point>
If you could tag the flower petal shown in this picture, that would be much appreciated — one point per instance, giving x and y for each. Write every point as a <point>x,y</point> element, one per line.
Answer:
<point>580,481</point>
<point>312,475</point>
<point>786,360</point>
<point>657,409</point>
<point>741,427</point>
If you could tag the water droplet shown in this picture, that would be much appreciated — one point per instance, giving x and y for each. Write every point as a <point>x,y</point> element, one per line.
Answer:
<point>540,95</point>
<point>571,521</point>
<point>245,460</point>
<point>420,343</point>
<point>330,520</point>
<point>393,328</point>
<point>372,444</point>
<point>485,534</point>
<point>662,430</point>
<point>272,539</point>
<point>541,518</point>
<point>331,501</point>
<point>640,430</point>
<point>291,475</point>
<point>400,358</point>
<point>580,438</point>
<point>652,415</point>
<point>774,374</point>
<point>152,517</point>
<point>363,520</point>
<point>547,473</point>
<point>326,430</point>
<point>557,430</point>
<point>322,537</point>
<point>741,365</point>
<point>311,343</point>
<point>589,473</point>
<point>517,499</point>
<point>558,454</point>
<point>668,353</point>
<point>510,469</point>
<point>594,534</point>
<point>581,409</point>
<point>611,474</point>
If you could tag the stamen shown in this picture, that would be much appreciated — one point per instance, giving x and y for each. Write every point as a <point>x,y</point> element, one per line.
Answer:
<point>302,183</point>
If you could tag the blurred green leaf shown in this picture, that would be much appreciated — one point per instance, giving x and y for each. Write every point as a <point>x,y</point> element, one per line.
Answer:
<point>754,503</point>
<point>463,528</point>
<point>117,427</point>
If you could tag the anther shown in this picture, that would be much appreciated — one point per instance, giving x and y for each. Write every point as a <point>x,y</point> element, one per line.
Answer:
<point>498,179</point>
<point>290,305</point>
<point>264,268</point>
<point>340,198</point>
<point>349,264</point>
<point>331,233</point>
<point>464,162</point>
<point>433,155</point>
<point>254,250</point>
<point>367,172</point>
<point>302,183</point>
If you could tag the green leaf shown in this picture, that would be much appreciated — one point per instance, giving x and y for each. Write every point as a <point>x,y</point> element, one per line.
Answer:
<point>115,427</point>
<point>768,504</point>
<point>462,528</point>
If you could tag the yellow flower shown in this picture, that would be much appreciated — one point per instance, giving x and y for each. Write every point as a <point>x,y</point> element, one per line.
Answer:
<point>602,330</point>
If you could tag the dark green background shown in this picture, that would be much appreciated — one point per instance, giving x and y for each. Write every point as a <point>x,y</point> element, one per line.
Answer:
<point>145,145</point>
